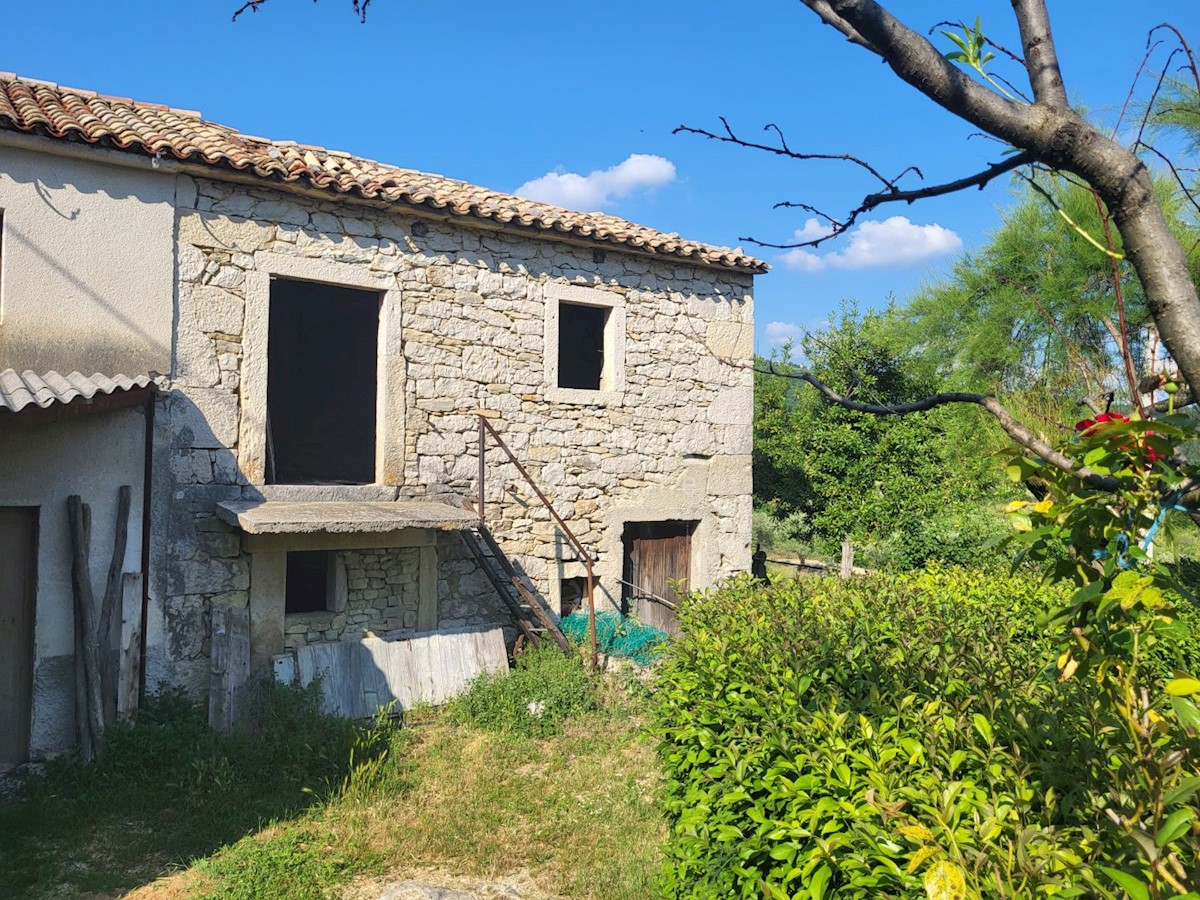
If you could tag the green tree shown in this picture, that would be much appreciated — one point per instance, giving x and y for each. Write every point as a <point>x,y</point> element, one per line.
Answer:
<point>906,488</point>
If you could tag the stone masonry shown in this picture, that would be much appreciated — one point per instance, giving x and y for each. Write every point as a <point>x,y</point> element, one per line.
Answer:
<point>464,329</point>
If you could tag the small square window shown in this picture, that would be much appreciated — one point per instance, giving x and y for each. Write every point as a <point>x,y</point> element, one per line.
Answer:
<point>581,346</point>
<point>585,344</point>
<point>309,582</point>
<point>572,593</point>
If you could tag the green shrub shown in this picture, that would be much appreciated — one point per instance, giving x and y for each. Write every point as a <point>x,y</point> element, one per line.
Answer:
<point>533,699</point>
<point>825,738</point>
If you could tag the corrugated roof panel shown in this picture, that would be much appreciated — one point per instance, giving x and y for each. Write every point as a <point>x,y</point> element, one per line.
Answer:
<point>19,390</point>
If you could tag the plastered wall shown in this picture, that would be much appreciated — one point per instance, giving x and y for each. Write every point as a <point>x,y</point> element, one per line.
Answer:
<point>88,262</point>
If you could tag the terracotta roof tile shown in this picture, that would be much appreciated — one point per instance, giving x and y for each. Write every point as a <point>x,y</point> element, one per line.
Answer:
<point>40,107</point>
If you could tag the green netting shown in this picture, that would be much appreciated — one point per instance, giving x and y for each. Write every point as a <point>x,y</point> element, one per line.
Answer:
<point>617,635</point>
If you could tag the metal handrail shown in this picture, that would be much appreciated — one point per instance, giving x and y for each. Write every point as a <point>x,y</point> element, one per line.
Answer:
<point>485,428</point>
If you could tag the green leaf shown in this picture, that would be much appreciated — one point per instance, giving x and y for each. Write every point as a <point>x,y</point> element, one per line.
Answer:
<point>983,726</point>
<point>1186,712</point>
<point>1183,687</point>
<point>1177,824</point>
<point>1184,791</point>
<point>819,881</point>
<point>1133,886</point>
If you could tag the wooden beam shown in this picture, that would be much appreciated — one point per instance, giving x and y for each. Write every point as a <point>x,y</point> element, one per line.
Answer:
<point>130,666</point>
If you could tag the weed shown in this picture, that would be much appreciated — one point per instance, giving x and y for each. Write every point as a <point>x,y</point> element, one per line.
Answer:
<point>532,700</point>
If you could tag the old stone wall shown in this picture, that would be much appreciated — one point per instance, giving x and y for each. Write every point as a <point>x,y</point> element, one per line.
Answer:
<point>382,597</point>
<point>465,318</point>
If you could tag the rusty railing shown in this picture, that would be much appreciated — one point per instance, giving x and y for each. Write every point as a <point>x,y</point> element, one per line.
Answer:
<point>485,428</point>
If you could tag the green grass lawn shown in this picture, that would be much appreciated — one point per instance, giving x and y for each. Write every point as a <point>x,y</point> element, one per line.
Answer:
<point>302,806</point>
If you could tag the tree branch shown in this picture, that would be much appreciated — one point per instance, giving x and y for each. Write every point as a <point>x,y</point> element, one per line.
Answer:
<point>1041,57</point>
<point>729,137</point>
<point>912,57</point>
<point>1014,429</point>
<point>835,21</point>
<point>892,195</point>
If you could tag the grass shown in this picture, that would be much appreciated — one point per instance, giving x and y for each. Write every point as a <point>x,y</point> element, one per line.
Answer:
<point>574,812</point>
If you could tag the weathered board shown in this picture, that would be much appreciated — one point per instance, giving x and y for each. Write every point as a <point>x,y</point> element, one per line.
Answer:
<point>130,667</point>
<point>230,663</point>
<point>359,677</point>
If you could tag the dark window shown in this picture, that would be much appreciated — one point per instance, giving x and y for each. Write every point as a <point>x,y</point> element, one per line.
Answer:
<point>581,346</point>
<point>308,581</point>
<point>321,384</point>
<point>572,594</point>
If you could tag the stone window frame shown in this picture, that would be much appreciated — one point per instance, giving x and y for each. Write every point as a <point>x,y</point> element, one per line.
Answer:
<point>390,374</point>
<point>612,379</point>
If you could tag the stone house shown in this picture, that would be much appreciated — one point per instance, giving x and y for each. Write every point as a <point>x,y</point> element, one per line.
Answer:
<point>306,341</point>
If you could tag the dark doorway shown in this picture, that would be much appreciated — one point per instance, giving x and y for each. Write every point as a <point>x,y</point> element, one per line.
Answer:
<point>658,557</point>
<point>18,593</point>
<point>322,360</point>
<point>581,346</point>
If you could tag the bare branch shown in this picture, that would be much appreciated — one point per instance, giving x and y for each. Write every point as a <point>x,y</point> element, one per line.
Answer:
<point>978,180</point>
<point>360,8</point>
<point>893,195</point>
<point>1175,172</point>
<point>1150,48</point>
<point>1182,43</point>
<point>1041,56</point>
<point>1014,429</point>
<point>782,149</point>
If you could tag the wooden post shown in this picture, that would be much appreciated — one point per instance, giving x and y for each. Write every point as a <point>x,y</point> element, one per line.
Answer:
<point>108,603</point>
<point>230,663</point>
<point>847,559</point>
<point>89,707</point>
<point>129,670</point>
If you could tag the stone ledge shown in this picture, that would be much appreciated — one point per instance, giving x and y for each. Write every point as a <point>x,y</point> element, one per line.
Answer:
<point>339,517</point>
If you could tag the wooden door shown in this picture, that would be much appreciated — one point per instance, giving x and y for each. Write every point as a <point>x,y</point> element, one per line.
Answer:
<point>658,557</point>
<point>18,588</point>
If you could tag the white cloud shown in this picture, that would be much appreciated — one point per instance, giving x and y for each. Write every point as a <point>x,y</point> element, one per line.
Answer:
<point>779,333</point>
<point>602,187</point>
<point>893,242</point>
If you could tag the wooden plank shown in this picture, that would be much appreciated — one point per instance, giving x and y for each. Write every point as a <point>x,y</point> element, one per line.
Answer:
<point>89,705</point>
<point>427,589</point>
<point>130,665</point>
<point>109,604</point>
<point>230,663</point>
<point>360,677</point>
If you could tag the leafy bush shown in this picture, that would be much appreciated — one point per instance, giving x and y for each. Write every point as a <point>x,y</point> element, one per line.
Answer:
<point>875,737</point>
<point>533,699</point>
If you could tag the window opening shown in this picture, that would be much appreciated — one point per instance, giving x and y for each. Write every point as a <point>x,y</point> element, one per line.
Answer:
<point>309,580</point>
<point>322,352</point>
<point>581,346</point>
<point>570,595</point>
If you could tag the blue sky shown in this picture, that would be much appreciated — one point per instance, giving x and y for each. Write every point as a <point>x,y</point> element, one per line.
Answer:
<point>505,94</point>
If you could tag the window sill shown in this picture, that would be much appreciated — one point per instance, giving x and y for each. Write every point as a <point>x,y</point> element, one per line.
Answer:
<point>584,397</point>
